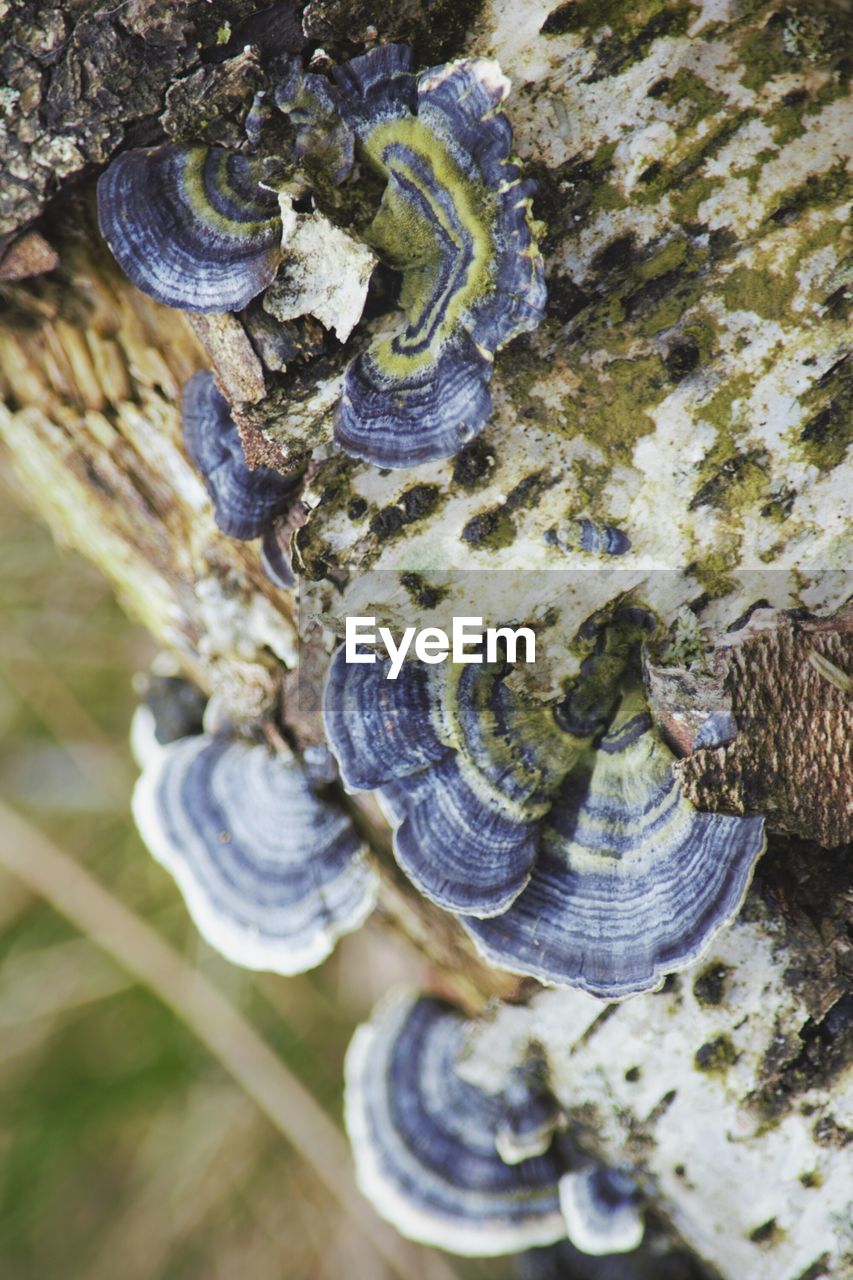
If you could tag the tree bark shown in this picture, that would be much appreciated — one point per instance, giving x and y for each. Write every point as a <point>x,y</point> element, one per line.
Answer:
<point>688,386</point>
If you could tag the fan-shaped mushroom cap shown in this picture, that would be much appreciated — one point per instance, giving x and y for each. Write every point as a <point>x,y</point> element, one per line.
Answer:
<point>631,881</point>
<point>455,221</point>
<point>560,835</point>
<point>244,501</point>
<point>190,226</point>
<point>465,809</point>
<point>424,1139</point>
<point>601,1209</point>
<point>272,872</point>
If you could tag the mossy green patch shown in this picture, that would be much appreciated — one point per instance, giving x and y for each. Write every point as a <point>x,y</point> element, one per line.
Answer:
<point>703,101</point>
<point>828,433</point>
<point>764,54</point>
<point>763,291</point>
<point>610,408</point>
<point>664,260</point>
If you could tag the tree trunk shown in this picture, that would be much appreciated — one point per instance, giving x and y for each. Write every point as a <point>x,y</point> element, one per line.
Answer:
<point>687,387</point>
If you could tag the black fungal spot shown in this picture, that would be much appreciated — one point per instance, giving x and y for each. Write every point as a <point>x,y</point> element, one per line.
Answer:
<point>632,1075</point>
<point>709,987</point>
<point>473,464</point>
<point>560,20</point>
<point>715,1055</point>
<point>387,521</point>
<point>419,501</point>
<point>525,491</point>
<point>660,87</point>
<point>617,255</point>
<point>679,1170</point>
<point>565,299</point>
<point>795,97</point>
<point>766,1233</point>
<point>357,508</point>
<point>681,359</point>
<point>492,528</point>
<point>820,1267</point>
<point>837,305</point>
<point>819,428</point>
<point>654,170</point>
<point>714,491</point>
<point>424,595</point>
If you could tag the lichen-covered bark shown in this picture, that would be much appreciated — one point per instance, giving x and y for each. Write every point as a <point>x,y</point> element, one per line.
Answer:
<point>688,387</point>
<point>729,1091</point>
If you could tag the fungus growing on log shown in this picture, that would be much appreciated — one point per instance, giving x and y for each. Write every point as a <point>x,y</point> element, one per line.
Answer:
<point>425,1140</point>
<point>454,220</point>
<point>601,1209</point>
<point>272,871</point>
<point>559,834</point>
<point>245,501</point>
<point>191,226</point>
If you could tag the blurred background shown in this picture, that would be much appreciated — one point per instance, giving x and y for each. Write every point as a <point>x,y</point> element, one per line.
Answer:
<point>126,1148</point>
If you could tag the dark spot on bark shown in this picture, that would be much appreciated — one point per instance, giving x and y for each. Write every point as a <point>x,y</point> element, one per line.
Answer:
<point>356,508</point>
<point>565,299</point>
<point>474,463</point>
<point>681,359</point>
<point>709,987</point>
<point>766,1233</point>
<point>632,1075</point>
<point>491,528</point>
<point>617,255</point>
<point>419,501</point>
<point>820,1267</point>
<point>794,97</point>
<point>660,87</point>
<point>387,521</point>
<point>424,595</point>
<point>780,503</point>
<point>714,491</point>
<point>654,170</point>
<point>715,1055</point>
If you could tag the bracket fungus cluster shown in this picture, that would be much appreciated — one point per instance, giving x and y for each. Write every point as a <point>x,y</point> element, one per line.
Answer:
<point>453,1165</point>
<point>559,834</point>
<point>455,222</point>
<point>204,229</point>
<point>271,868</point>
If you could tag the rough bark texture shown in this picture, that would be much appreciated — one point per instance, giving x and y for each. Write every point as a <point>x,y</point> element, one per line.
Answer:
<point>688,386</point>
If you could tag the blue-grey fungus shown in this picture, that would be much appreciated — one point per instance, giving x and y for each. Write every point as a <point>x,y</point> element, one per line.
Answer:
<point>559,834</point>
<point>170,708</point>
<point>245,501</point>
<point>605,539</point>
<point>586,535</point>
<point>424,1138</point>
<point>322,140</point>
<point>270,867</point>
<point>277,556</point>
<point>532,1116</point>
<point>455,221</point>
<point>191,226</point>
<point>601,1207</point>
